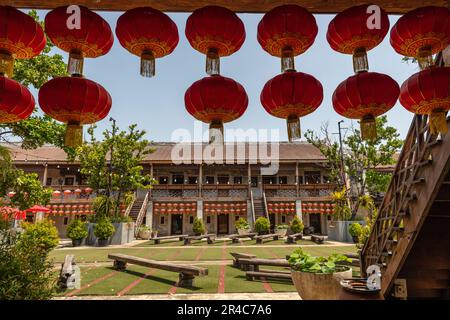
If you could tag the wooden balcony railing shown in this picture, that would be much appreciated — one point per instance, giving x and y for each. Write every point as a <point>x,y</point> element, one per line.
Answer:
<point>420,167</point>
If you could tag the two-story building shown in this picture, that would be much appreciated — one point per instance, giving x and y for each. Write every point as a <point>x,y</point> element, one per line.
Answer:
<point>218,185</point>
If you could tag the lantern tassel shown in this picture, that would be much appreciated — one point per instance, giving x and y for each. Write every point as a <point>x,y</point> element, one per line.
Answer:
<point>74,135</point>
<point>6,64</point>
<point>438,122</point>
<point>76,62</point>
<point>216,132</point>
<point>287,59</point>
<point>293,128</point>
<point>368,128</point>
<point>148,64</point>
<point>212,62</point>
<point>425,58</point>
<point>360,62</point>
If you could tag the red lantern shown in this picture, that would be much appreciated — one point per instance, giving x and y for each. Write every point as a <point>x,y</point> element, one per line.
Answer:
<point>428,92</point>
<point>147,33</point>
<point>67,192</point>
<point>56,193</point>
<point>292,95</point>
<point>75,101</point>
<point>421,33</point>
<point>16,101</point>
<point>77,191</point>
<point>287,31</point>
<point>365,96</point>
<point>88,190</point>
<point>11,194</point>
<point>357,30</point>
<point>89,36</point>
<point>20,38</point>
<point>216,100</point>
<point>216,32</point>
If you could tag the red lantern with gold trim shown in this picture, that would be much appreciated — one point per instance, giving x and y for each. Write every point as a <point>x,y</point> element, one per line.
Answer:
<point>428,92</point>
<point>147,33</point>
<point>216,32</point>
<point>357,30</point>
<point>83,34</point>
<point>366,96</point>
<point>287,31</point>
<point>16,101</point>
<point>216,100</point>
<point>21,37</point>
<point>75,101</point>
<point>292,95</point>
<point>421,33</point>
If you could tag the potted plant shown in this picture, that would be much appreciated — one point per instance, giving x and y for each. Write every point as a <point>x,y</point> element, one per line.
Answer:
<point>296,225</point>
<point>198,228</point>
<point>145,232</point>
<point>318,278</point>
<point>281,229</point>
<point>242,226</point>
<point>77,231</point>
<point>355,231</point>
<point>262,225</point>
<point>103,230</point>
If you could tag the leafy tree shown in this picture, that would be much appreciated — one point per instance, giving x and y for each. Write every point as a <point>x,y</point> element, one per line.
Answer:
<point>38,129</point>
<point>360,158</point>
<point>120,173</point>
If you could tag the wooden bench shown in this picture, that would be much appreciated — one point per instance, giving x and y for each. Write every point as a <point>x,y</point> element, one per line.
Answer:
<point>186,273</point>
<point>274,236</point>
<point>210,238</point>
<point>251,275</point>
<point>237,256</point>
<point>292,238</point>
<point>235,237</point>
<point>254,263</point>
<point>157,240</point>
<point>318,239</point>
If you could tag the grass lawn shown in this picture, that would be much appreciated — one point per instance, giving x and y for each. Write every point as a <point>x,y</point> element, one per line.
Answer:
<point>135,280</point>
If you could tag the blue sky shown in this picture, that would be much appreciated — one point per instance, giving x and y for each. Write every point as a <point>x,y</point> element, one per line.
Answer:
<point>157,104</point>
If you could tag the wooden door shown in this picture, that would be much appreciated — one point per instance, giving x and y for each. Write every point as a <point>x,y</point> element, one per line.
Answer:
<point>222,224</point>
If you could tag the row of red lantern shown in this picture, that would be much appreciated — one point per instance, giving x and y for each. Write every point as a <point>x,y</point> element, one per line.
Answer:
<point>68,192</point>
<point>282,210</point>
<point>180,205</point>
<point>225,205</point>
<point>175,210</point>
<point>225,211</point>
<point>281,205</point>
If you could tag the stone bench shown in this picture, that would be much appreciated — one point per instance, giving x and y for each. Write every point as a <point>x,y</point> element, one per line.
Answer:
<point>235,237</point>
<point>186,273</point>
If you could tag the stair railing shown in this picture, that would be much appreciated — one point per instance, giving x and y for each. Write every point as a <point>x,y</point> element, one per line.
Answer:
<point>252,200</point>
<point>266,210</point>
<point>141,215</point>
<point>128,210</point>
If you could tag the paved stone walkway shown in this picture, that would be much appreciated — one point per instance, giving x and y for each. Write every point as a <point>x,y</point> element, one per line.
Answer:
<point>195,296</point>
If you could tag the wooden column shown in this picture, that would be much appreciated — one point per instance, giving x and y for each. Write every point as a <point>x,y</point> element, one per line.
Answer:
<point>151,175</point>
<point>249,180</point>
<point>44,178</point>
<point>297,180</point>
<point>200,180</point>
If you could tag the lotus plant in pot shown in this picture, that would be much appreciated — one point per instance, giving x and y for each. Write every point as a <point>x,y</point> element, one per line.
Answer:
<point>145,232</point>
<point>242,226</point>
<point>103,230</point>
<point>77,231</point>
<point>281,229</point>
<point>318,278</point>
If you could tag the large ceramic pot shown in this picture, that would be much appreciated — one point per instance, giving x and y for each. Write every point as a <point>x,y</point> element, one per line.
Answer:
<point>243,231</point>
<point>145,234</point>
<point>319,286</point>
<point>281,232</point>
<point>76,242</point>
<point>102,242</point>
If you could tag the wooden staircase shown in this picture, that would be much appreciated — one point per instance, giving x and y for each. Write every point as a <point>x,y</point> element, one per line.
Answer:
<point>410,239</point>
<point>258,207</point>
<point>138,212</point>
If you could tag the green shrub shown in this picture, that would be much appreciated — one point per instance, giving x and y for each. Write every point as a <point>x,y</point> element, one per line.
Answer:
<point>297,225</point>
<point>242,224</point>
<point>77,230</point>
<point>304,262</point>
<point>42,235</point>
<point>198,228</point>
<point>355,230</point>
<point>104,229</point>
<point>103,206</point>
<point>262,225</point>
<point>26,273</point>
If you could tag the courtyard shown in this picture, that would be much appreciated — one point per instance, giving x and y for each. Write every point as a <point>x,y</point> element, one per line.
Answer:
<point>99,278</point>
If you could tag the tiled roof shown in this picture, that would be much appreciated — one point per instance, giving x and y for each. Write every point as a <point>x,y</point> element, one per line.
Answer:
<point>195,153</point>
